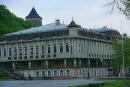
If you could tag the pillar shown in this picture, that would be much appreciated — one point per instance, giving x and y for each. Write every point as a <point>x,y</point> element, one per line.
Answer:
<point>97,62</point>
<point>13,65</point>
<point>89,63</point>
<point>46,63</point>
<point>75,63</point>
<point>65,63</point>
<point>29,64</point>
<point>80,63</point>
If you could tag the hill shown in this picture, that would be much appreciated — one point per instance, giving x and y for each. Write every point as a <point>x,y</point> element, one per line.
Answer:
<point>10,22</point>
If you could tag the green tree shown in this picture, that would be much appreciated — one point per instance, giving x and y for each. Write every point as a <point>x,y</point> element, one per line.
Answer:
<point>11,23</point>
<point>118,55</point>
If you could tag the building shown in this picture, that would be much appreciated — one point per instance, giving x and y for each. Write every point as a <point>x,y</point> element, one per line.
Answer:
<point>58,51</point>
<point>34,17</point>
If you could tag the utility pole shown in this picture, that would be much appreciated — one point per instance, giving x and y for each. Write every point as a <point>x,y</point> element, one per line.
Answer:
<point>123,54</point>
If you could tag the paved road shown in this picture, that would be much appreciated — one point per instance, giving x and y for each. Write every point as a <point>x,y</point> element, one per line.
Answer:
<point>46,83</point>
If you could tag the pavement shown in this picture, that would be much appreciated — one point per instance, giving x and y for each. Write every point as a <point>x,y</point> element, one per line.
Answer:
<point>46,83</point>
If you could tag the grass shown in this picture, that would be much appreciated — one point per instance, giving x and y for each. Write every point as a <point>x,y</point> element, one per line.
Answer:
<point>119,83</point>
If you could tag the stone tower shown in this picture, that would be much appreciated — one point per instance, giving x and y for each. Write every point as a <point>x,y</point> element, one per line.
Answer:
<point>34,17</point>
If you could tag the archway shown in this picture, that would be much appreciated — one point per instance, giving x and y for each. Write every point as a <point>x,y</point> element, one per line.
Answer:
<point>49,73</point>
<point>37,74</point>
<point>43,74</point>
<point>67,73</point>
<point>61,73</point>
<point>55,73</point>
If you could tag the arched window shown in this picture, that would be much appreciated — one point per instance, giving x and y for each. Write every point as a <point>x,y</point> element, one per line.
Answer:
<point>37,74</point>
<point>55,73</point>
<point>61,73</point>
<point>49,73</point>
<point>43,73</point>
<point>68,73</point>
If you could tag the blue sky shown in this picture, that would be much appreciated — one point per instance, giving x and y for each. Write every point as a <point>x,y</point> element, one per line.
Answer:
<point>87,13</point>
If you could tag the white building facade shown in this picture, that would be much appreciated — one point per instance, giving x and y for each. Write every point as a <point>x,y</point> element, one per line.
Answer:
<point>57,50</point>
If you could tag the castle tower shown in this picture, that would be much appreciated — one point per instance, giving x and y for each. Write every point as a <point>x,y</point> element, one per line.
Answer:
<point>34,17</point>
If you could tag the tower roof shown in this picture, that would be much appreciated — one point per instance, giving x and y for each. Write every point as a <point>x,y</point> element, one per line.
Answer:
<point>73,24</point>
<point>33,14</point>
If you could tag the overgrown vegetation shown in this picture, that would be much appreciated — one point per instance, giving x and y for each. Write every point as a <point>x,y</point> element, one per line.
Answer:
<point>120,83</point>
<point>10,23</point>
<point>5,76</point>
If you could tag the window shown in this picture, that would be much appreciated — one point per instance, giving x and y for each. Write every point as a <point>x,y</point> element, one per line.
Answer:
<point>37,50</point>
<point>67,47</point>
<point>55,50</point>
<point>31,57</point>
<point>25,50</point>
<point>49,73</point>
<point>20,51</point>
<point>79,48</point>
<point>68,73</point>
<point>4,52</point>
<point>61,73</point>
<point>42,56</point>
<point>9,58</point>
<point>15,51</point>
<point>61,48</point>
<point>49,49</point>
<point>43,49</point>
<point>43,74</point>
<point>37,74</point>
<point>31,50</point>
<point>10,52</point>
<point>55,73</point>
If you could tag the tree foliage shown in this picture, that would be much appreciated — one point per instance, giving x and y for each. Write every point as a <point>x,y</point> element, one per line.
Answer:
<point>118,55</point>
<point>122,5</point>
<point>10,23</point>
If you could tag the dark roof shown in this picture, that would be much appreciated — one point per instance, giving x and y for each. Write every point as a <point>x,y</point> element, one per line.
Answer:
<point>33,14</point>
<point>108,31</point>
<point>73,24</point>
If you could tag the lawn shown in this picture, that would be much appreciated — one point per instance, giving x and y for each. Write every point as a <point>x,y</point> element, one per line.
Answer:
<point>119,83</point>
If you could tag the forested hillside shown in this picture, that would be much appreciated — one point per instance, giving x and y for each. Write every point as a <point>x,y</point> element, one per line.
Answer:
<point>11,23</point>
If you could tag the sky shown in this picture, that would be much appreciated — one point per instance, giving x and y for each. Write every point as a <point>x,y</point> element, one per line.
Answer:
<point>87,13</point>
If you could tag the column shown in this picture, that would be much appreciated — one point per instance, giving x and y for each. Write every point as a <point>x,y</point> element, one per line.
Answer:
<point>65,63</point>
<point>75,64</point>
<point>89,63</point>
<point>13,65</point>
<point>46,63</point>
<point>29,64</point>
<point>80,63</point>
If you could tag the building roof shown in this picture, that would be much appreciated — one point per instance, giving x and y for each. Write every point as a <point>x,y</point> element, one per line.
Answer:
<point>108,31</point>
<point>104,29</point>
<point>33,14</point>
<point>73,24</point>
<point>44,28</point>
